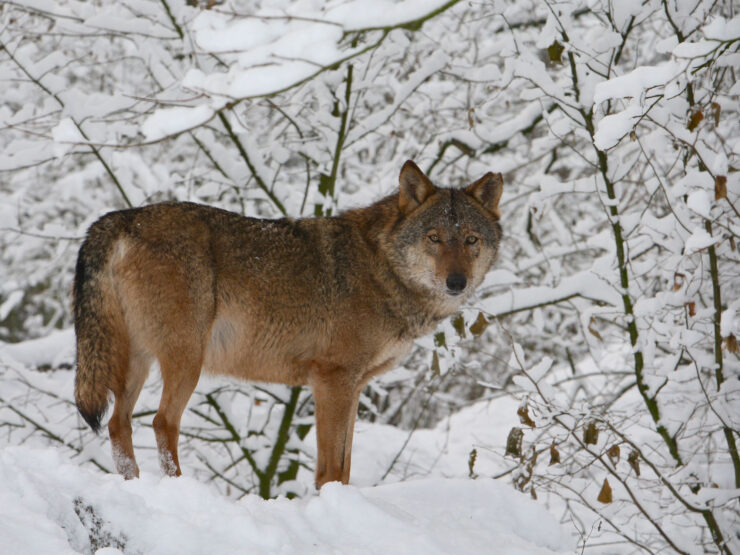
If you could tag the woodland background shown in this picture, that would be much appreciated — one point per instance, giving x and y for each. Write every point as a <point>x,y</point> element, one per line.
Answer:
<point>611,317</point>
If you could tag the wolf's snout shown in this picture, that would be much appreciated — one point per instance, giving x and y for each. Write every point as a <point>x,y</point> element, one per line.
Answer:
<point>456,283</point>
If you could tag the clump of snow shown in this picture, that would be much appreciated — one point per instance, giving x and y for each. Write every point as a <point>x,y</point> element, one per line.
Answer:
<point>12,300</point>
<point>581,283</point>
<point>615,126</point>
<point>65,135</point>
<point>666,45</point>
<point>360,14</point>
<point>55,349</point>
<point>698,201</point>
<point>166,121</point>
<point>730,322</point>
<point>632,84</point>
<point>723,29</point>
<point>698,240</point>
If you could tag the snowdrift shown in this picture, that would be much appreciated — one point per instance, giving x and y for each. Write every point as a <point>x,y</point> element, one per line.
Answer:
<point>52,505</point>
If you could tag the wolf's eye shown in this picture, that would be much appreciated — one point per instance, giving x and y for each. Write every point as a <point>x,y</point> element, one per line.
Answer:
<point>471,240</point>
<point>433,237</point>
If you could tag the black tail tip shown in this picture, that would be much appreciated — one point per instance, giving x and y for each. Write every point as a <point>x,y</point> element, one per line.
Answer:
<point>93,420</point>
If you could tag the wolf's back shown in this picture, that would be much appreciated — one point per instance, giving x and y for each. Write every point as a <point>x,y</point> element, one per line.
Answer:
<point>102,345</point>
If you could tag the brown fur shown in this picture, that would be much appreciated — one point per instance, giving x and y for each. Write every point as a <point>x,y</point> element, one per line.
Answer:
<point>327,302</point>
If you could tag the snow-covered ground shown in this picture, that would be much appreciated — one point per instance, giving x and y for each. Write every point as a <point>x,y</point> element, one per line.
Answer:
<point>51,502</point>
<point>42,492</point>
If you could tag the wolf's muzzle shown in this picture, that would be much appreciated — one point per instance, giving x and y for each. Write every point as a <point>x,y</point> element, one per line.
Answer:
<point>456,283</point>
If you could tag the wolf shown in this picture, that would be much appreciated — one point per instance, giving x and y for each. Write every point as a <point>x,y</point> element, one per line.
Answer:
<point>326,302</point>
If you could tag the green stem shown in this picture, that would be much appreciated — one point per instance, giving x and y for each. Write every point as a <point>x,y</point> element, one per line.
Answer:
<point>716,293</point>
<point>172,19</point>
<point>414,24</point>
<point>260,183</point>
<point>280,442</point>
<point>650,402</point>
<point>718,359</point>
<point>327,183</point>
<point>236,438</point>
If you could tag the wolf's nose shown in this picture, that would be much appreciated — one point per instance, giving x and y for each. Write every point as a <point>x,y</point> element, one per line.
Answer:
<point>456,283</point>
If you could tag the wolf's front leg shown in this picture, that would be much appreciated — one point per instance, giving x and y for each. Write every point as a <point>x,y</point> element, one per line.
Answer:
<point>336,397</point>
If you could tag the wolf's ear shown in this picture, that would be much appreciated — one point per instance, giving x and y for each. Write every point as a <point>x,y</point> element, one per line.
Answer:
<point>487,190</point>
<point>415,187</point>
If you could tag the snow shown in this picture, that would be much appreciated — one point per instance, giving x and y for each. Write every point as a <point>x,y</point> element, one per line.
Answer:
<point>166,121</point>
<point>272,53</point>
<point>283,49</point>
<point>723,29</point>
<point>615,126</point>
<point>699,202</point>
<point>632,84</point>
<point>120,19</point>
<point>409,493</point>
<point>12,300</point>
<point>698,240</point>
<point>360,14</point>
<point>731,319</point>
<point>52,350</point>
<point>65,135</point>
<point>582,283</point>
<point>694,49</point>
<point>40,489</point>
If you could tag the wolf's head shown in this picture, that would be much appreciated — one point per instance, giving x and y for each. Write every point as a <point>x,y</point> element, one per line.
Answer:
<point>446,239</point>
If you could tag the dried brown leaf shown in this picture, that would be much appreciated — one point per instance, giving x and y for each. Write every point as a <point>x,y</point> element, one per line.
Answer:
<point>605,495</point>
<point>440,340</point>
<point>720,187</point>
<point>436,370</point>
<point>555,52</point>
<point>731,344</point>
<point>716,112</point>
<point>591,434</point>
<point>613,453</point>
<point>593,331</point>
<point>458,323</point>
<point>480,325</point>
<point>554,455</point>
<point>695,120</point>
<point>524,418</point>
<point>634,461</point>
<point>678,278</point>
<point>692,308</point>
<point>514,442</point>
<point>471,119</point>
<point>471,463</point>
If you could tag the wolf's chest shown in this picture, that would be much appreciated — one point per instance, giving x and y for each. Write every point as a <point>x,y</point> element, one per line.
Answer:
<point>389,356</point>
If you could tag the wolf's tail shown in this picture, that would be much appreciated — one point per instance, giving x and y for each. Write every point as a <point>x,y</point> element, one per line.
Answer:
<point>102,344</point>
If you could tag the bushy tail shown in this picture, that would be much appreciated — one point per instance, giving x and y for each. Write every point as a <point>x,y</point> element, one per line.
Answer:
<point>102,345</point>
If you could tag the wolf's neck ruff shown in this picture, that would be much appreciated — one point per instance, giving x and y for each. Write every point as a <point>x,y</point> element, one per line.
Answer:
<point>327,302</point>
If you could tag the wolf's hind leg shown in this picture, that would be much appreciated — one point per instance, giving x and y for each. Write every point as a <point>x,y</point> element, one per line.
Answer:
<point>180,376</point>
<point>119,426</point>
<point>335,399</point>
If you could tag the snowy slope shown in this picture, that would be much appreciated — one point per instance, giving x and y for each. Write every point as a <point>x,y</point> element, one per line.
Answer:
<point>50,502</point>
<point>40,490</point>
